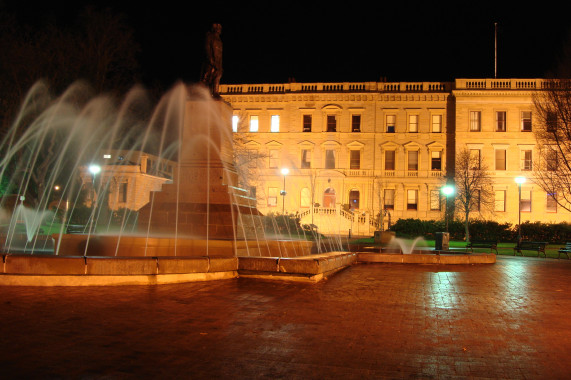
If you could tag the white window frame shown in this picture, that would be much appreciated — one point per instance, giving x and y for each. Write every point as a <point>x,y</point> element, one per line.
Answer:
<point>275,123</point>
<point>254,123</point>
<point>475,121</point>
<point>436,123</point>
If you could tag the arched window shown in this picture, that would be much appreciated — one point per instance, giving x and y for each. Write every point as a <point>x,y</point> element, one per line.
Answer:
<point>354,199</point>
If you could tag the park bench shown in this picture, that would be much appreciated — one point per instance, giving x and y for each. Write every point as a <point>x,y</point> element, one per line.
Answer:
<point>565,250</point>
<point>492,244</point>
<point>538,246</point>
<point>75,229</point>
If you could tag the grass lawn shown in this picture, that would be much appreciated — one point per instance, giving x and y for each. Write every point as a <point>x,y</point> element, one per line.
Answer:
<point>551,250</point>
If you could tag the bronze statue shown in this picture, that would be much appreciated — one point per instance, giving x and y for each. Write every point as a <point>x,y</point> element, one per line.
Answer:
<point>212,70</point>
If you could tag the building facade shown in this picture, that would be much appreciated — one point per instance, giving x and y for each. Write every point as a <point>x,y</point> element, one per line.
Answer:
<point>362,155</point>
<point>127,178</point>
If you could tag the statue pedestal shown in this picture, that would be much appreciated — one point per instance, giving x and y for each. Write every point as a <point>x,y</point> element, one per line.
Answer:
<point>204,200</point>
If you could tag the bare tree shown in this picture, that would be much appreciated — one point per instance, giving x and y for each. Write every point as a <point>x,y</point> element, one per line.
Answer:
<point>100,49</point>
<point>552,172</point>
<point>473,189</point>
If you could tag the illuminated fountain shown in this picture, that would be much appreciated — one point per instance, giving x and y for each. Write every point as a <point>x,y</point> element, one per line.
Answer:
<point>202,211</point>
<point>407,246</point>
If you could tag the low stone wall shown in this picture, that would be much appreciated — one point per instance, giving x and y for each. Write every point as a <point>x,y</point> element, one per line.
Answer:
<point>304,268</point>
<point>427,258</point>
<point>40,270</point>
<point>77,271</point>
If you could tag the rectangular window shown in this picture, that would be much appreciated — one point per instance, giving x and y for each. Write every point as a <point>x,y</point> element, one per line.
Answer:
<point>331,123</point>
<point>272,197</point>
<point>275,123</point>
<point>551,160</point>
<point>252,158</point>
<point>436,160</point>
<point>551,122</point>
<point>253,123</point>
<point>390,160</point>
<point>355,159</point>
<point>526,163</point>
<point>500,201</point>
<point>501,121</point>
<point>389,199</point>
<point>526,121</point>
<point>253,191</point>
<point>274,158</point>
<point>435,199</point>
<point>413,160</point>
<point>475,121</point>
<point>500,159</point>
<point>307,123</point>
<point>412,199</point>
<point>413,123</point>
<point>475,159</point>
<point>436,123</point>
<point>551,202</point>
<point>330,159</point>
<point>391,123</point>
<point>235,120</point>
<point>356,123</point>
<point>306,159</point>
<point>526,200</point>
<point>123,192</point>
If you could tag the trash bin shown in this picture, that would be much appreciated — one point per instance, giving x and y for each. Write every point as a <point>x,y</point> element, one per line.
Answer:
<point>442,241</point>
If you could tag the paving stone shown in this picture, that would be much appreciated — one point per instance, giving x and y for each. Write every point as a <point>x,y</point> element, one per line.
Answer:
<point>506,320</point>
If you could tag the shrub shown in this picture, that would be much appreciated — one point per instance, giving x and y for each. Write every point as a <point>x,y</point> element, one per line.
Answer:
<point>484,230</point>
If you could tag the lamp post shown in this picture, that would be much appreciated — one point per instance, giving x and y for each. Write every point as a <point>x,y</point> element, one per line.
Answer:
<point>94,170</point>
<point>447,190</point>
<point>519,180</point>
<point>285,172</point>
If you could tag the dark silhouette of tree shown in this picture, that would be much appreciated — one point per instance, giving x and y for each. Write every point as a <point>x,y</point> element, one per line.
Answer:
<point>552,172</point>
<point>98,48</point>
<point>473,190</point>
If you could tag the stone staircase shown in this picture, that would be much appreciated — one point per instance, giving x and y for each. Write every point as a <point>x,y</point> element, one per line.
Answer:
<point>336,221</point>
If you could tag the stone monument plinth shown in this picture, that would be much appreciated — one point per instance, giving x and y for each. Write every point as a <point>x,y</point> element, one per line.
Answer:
<point>204,200</point>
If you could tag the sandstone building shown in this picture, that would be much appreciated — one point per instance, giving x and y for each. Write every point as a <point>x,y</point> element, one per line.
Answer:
<point>361,155</point>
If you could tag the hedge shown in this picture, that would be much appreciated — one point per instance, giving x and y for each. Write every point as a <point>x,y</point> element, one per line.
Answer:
<point>485,230</point>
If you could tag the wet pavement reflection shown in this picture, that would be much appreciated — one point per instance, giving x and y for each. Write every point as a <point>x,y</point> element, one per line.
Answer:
<point>506,320</point>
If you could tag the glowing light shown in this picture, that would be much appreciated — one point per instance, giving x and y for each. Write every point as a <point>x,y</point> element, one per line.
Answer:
<point>448,190</point>
<point>520,180</point>
<point>94,169</point>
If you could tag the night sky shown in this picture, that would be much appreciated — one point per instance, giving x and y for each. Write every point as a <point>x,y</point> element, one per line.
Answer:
<point>270,42</point>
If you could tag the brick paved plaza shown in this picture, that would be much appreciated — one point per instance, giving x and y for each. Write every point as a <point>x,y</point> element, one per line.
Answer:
<point>506,320</point>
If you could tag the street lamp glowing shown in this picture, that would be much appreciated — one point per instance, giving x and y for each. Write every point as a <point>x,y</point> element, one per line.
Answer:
<point>94,169</point>
<point>520,180</point>
<point>447,190</point>
<point>284,171</point>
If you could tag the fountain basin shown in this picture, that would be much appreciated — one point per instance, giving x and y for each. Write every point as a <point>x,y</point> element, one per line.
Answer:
<point>36,270</point>
<point>136,246</point>
<point>28,270</point>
